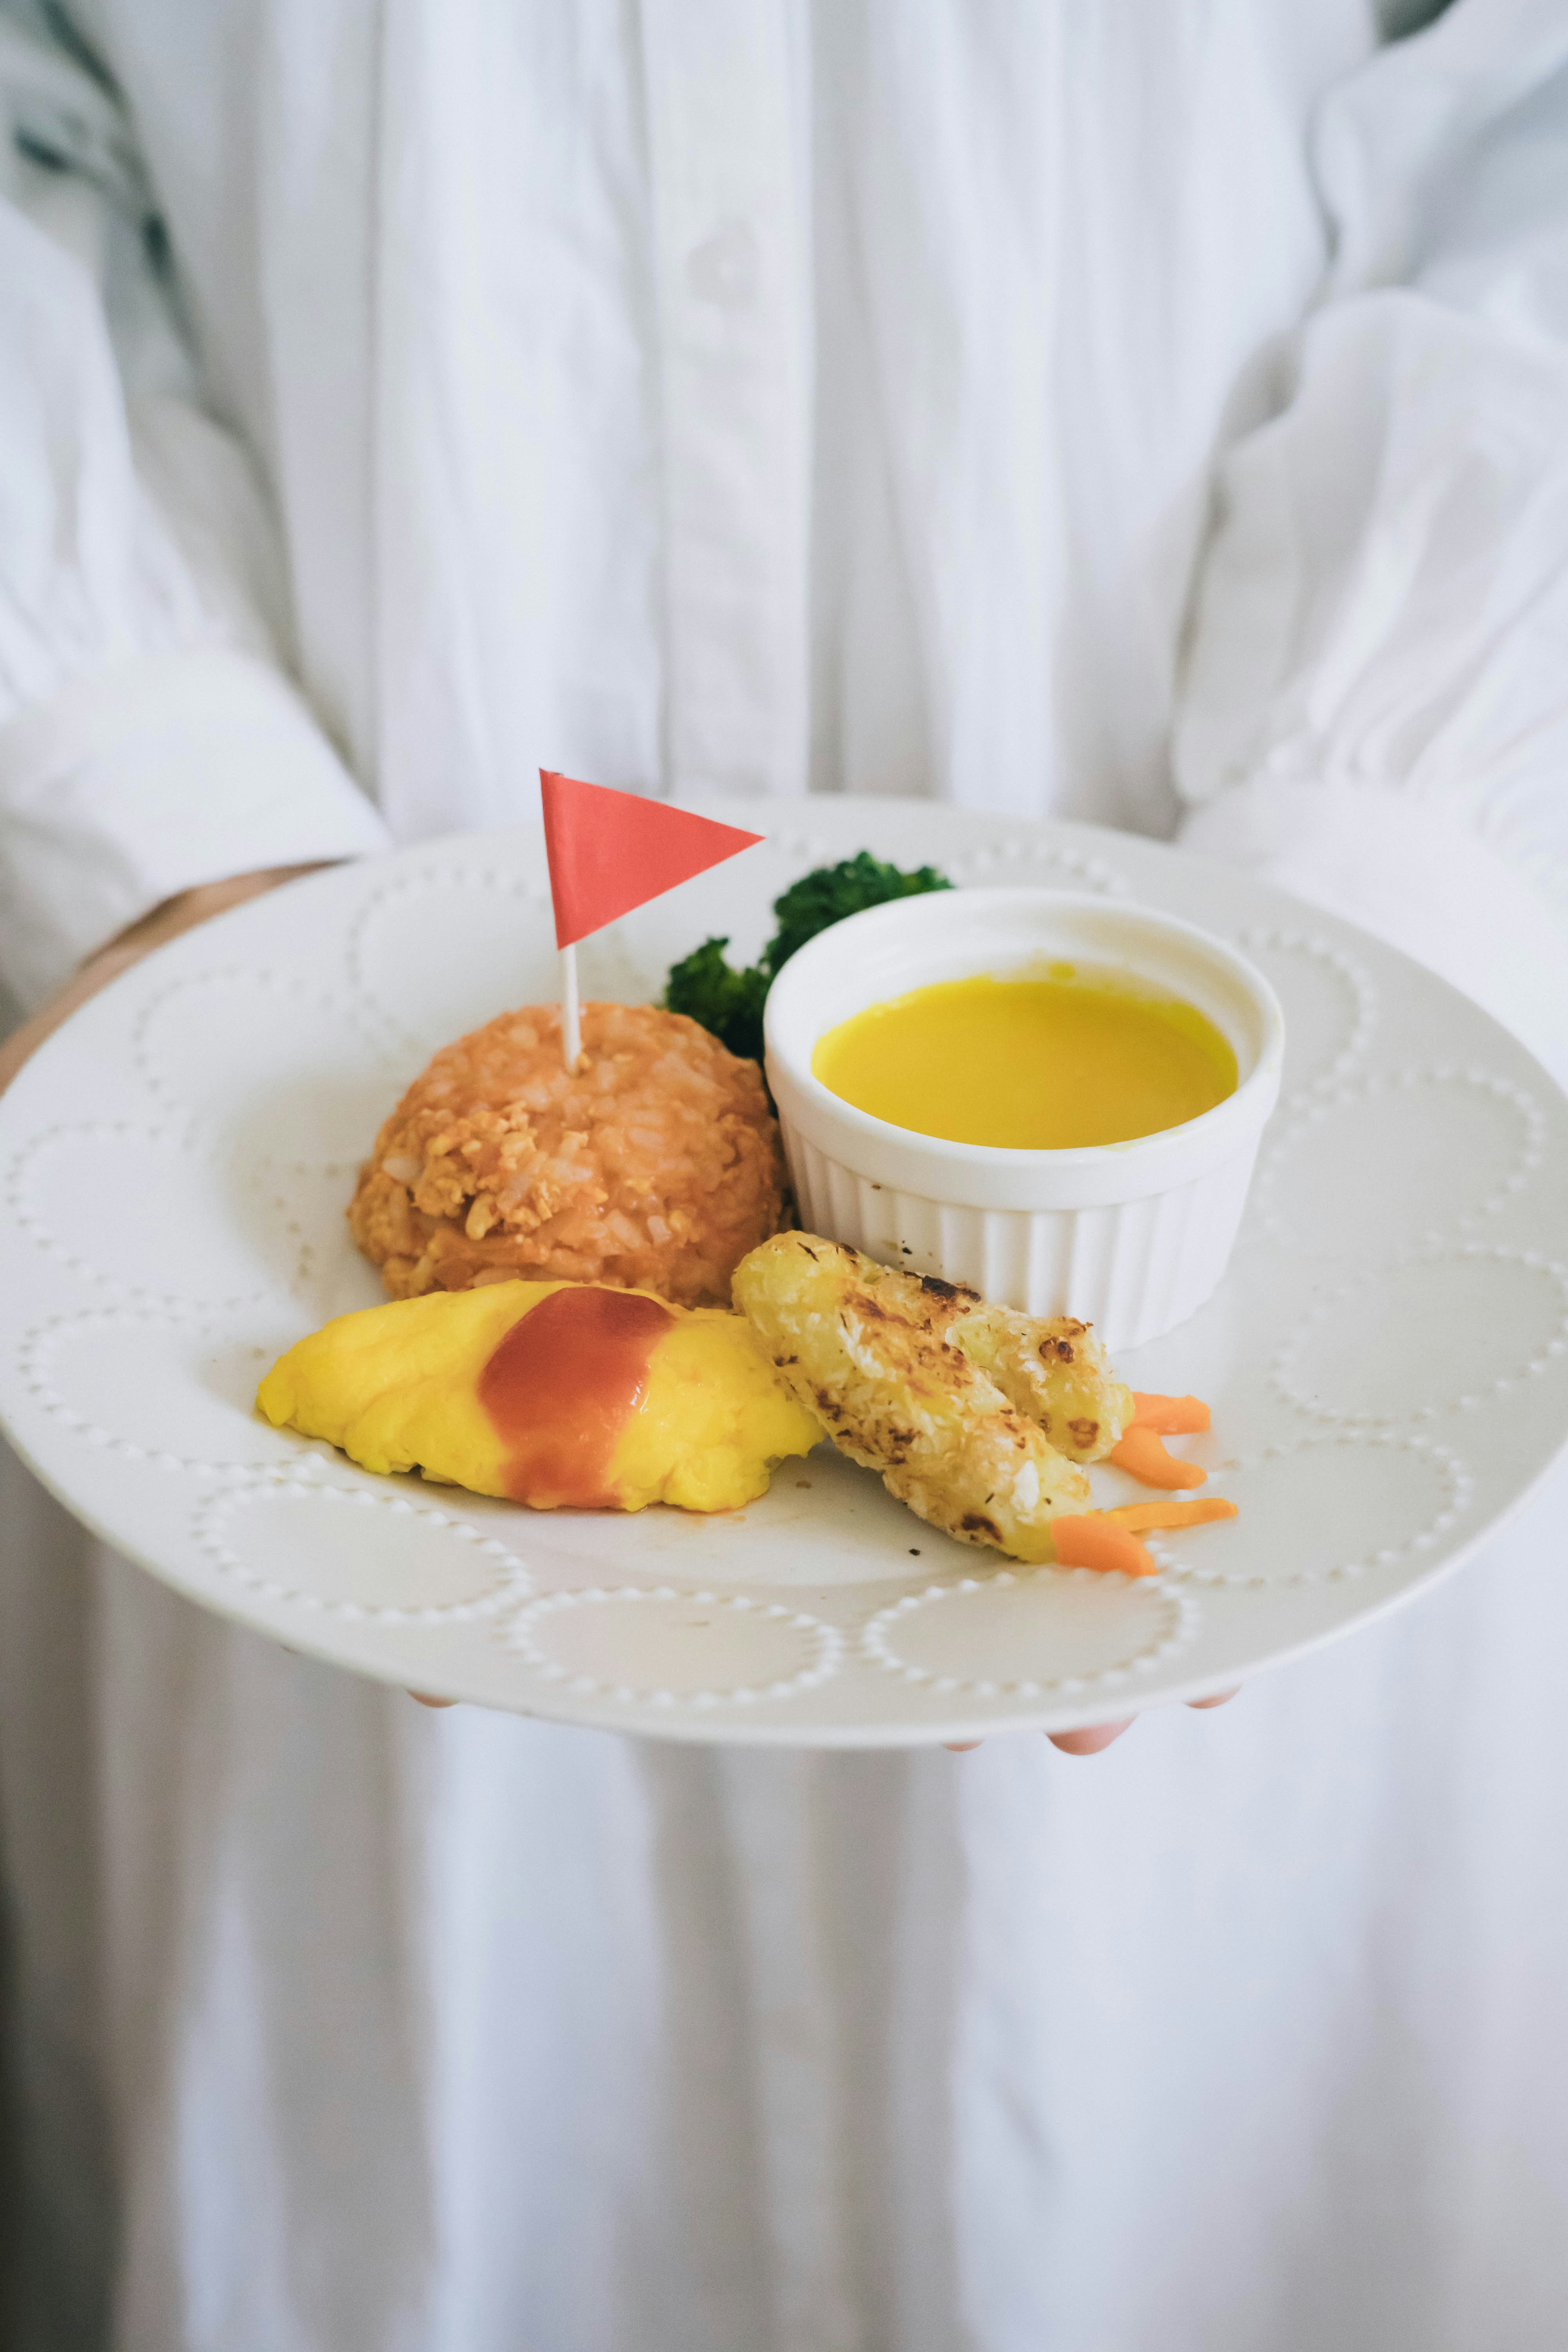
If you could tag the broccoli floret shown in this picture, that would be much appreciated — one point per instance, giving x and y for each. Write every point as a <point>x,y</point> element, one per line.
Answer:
<point>728,1003</point>
<point>818,900</point>
<point>710,991</point>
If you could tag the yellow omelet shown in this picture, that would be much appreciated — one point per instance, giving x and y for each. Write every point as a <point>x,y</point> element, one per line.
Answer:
<point>550,1393</point>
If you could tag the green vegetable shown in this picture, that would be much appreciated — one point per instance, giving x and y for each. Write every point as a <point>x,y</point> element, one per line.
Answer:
<point>818,900</point>
<point>711,992</point>
<point>730,1002</point>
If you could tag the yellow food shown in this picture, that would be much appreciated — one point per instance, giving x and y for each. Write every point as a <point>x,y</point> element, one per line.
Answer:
<point>687,1411</point>
<point>655,1164</point>
<point>592,1397</point>
<point>1042,1065</point>
<point>1052,1369</point>
<point>947,1397</point>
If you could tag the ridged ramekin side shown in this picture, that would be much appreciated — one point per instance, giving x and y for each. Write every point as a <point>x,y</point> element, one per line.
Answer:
<point>1133,1269</point>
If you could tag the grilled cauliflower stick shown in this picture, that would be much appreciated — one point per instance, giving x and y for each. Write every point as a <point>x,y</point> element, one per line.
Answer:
<point>881,1357</point>
<point>1052,1369</point>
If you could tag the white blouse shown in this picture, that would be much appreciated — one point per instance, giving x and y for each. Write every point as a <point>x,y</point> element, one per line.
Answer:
<point>1091,410</point>
<point>1148,411</point>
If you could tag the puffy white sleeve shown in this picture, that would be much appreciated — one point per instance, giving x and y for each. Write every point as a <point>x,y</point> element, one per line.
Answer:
<point>150,736</point>
<point>1374,706</point>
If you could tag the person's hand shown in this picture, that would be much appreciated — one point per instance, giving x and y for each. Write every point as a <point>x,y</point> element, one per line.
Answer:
<point>176,915</point>
<point>1094,1738</point>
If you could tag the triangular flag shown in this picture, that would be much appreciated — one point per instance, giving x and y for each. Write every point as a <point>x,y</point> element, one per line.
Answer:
<point>610,851</point>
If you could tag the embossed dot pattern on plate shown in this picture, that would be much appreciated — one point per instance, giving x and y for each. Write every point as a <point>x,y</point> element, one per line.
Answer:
<point>173,1241</point>
<point>299,1083</point>
<point>668,1648</point>
<point>104,1375</point>
<point>1023,1632</point>
<point>1331,1001</point>
<point>1408,1156</point>
<point>400,967</point>
<point>1337,1507</point>
<point>1443,1332</point>
<point>422,1565</point>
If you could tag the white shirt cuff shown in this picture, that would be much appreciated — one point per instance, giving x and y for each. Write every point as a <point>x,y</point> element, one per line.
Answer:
<point>147,778</point>
<point>1418,876</point>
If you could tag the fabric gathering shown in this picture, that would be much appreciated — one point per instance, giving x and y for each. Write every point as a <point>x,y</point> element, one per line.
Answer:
<point>1148,416</point>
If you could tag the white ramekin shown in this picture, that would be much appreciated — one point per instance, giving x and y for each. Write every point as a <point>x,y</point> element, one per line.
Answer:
<point>1133,1237</point>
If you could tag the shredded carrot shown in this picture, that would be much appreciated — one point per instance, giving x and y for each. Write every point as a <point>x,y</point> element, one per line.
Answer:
<point>1169,1416</point>
<point>1142,1517</point>
<point>1093,1539</point>
<point>1142,1454</point>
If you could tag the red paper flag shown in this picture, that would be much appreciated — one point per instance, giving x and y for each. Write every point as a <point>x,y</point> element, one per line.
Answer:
<point>610,852</point>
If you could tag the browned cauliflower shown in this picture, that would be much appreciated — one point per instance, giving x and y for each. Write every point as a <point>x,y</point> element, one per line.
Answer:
<point>950,1400</point>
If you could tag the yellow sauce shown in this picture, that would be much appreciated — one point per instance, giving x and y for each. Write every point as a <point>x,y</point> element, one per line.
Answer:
<point>1033,1065</point>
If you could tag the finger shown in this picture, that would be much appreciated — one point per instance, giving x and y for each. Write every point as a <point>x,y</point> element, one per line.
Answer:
<point>1220,1698</point>
<point>1089,1742</point>
<point>960,1746</point>
<point>422,1698</point>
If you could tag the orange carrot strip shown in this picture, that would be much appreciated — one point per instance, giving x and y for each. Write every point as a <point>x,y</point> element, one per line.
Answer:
<point>1093,1539</point>
<point>1170,1416</point>
<point>1141,1454</point>
<point>1142,1517</point>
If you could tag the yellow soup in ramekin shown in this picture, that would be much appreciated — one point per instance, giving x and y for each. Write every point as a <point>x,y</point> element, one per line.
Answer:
<point>1074,1055</point>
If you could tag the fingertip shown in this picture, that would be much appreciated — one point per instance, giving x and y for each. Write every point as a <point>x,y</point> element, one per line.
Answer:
<point>1089,1741</point>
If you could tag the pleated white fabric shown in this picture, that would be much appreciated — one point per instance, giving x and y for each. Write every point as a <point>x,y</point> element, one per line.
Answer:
<point>772,396</point>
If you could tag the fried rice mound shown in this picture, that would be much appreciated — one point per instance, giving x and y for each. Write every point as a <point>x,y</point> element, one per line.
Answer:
<point>655,1165</point>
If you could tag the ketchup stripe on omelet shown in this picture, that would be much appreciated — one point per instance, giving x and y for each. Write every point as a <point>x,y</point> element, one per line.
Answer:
<point>560,1388</point>
<point>549,1394</point>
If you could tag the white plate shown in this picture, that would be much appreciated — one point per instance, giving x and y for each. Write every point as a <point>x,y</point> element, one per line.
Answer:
<point>1387,1360</point>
